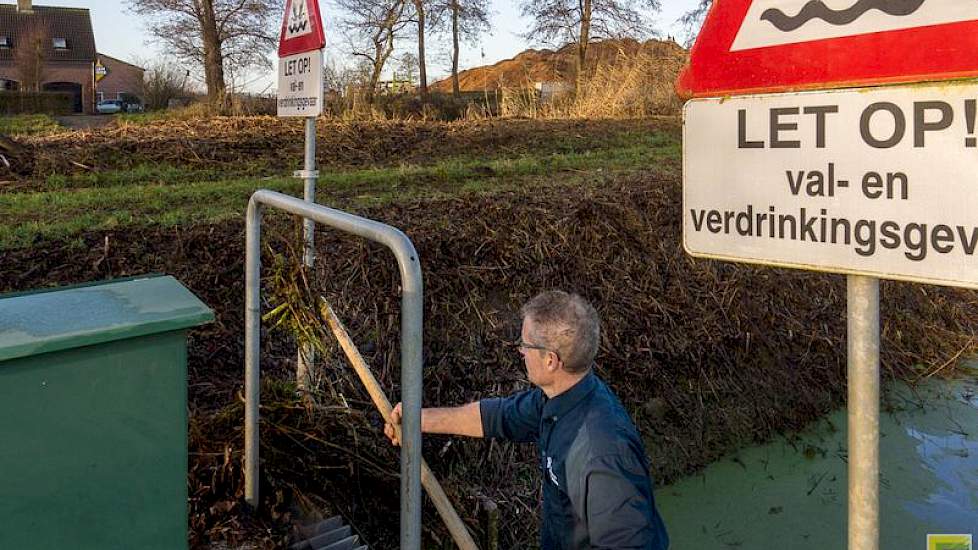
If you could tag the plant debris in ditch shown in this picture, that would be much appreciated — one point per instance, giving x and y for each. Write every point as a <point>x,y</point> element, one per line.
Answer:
<point>706,356</point>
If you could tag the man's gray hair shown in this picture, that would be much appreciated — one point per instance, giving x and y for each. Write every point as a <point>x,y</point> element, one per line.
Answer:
<point>566,324</point>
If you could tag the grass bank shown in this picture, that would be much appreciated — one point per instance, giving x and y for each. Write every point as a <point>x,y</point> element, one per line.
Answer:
<point>28,125</point>
<point>168,195</point>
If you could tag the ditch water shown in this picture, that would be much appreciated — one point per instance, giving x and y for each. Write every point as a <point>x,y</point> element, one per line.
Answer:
<point>792,493</point>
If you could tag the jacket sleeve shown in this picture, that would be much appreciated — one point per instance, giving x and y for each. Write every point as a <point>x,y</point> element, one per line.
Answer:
<point>618,505</point>
<point>516,418</point>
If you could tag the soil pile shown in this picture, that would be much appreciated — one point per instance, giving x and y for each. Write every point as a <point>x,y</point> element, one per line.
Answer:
<point>532,66</point>
<point>257,145</point>
<point>706,356</point>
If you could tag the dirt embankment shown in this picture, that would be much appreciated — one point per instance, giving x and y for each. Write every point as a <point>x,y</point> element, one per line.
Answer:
<point>269,145</point>
<point>532,66</point>
<point>707,356</point>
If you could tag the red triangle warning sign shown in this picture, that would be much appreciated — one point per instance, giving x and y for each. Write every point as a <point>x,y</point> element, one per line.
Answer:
<point>302,28</point>
<point>753,46</point>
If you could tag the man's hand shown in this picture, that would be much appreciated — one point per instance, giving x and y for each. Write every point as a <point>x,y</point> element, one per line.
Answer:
<point>395,420</point>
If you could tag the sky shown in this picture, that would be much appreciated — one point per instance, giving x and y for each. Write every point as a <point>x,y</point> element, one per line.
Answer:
<point>122,35</point>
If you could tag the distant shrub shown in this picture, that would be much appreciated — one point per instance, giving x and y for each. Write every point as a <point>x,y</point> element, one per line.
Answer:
<point>50,103</point>
<point>409,106</point>
<point>242,104</point>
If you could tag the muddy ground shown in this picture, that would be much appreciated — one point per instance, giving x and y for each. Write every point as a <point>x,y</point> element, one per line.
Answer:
<point>707,356</point>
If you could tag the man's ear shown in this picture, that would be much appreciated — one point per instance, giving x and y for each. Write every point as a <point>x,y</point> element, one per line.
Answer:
<point>553,362</point>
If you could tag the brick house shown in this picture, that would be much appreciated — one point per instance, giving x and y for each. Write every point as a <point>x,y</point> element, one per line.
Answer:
<point>118,78</point>
<point>70,57</point>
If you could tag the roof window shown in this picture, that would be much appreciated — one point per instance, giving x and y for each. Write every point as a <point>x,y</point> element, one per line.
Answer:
<point>5,42</point>
<point>59,43</point>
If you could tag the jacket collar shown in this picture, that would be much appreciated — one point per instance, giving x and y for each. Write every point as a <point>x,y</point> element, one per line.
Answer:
<point>562,404</point>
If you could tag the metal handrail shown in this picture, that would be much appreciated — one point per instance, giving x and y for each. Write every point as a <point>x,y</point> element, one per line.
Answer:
<point>412,291</point>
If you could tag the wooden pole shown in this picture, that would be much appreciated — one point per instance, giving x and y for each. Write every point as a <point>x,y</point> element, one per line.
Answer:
<point>463,539</point>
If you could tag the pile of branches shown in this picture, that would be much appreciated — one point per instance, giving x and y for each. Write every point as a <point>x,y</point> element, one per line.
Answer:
<point>271,145</point>
<point>16,159</point>
<point>706,356</point>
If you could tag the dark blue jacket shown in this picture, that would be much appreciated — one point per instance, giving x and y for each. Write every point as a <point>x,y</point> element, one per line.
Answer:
<point>597,492</point>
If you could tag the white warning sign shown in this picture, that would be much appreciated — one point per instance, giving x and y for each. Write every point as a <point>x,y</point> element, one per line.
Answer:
<point>776,22</point>
<point>300,84</point>
<point>297,20</point>
<point>873,181</point>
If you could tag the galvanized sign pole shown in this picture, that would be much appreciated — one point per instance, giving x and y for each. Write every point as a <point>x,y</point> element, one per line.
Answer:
<point>300,94</point>
<point>863,304</point>
<point>307,353</point>
<point>310,174</point>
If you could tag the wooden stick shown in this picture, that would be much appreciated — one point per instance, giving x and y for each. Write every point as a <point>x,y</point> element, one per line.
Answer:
<point>463,539</point>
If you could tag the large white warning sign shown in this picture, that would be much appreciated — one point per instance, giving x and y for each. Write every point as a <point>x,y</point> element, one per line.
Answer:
<point>775,22</point>
<point>875,181</point>
<point>300,84</point>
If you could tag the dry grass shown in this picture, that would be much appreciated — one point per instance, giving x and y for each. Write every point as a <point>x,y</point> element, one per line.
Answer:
<point>634,84</point>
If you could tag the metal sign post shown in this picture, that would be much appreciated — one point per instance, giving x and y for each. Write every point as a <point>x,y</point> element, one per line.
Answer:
<point>300,93</point>
<point>863,372</point>
<point>307,353</point>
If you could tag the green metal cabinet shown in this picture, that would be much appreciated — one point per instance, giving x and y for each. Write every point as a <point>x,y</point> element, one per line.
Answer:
<point>93,415</point>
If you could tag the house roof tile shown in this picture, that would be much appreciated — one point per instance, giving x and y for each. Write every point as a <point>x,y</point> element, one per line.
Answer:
<point>72,24</point>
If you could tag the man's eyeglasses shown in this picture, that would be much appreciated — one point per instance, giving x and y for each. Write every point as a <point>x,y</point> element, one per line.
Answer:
<point>520,346</point>
<point>524,345</point>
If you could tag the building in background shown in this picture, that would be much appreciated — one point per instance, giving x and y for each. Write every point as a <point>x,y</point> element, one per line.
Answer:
<point>68,60</point>
<point>116,79</point>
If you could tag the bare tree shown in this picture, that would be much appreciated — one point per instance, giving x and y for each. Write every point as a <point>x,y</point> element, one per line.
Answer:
<point>371,26</point>
<point>30,56</point>
<point>339,78</point>
<point>163,80</point>
<point>578,20</point>
<point>420,11</point>
<point>407,67</point>
<point>429,17</point>
<point>470,18</point>
<point>217,34</point>
<point>692,20</point>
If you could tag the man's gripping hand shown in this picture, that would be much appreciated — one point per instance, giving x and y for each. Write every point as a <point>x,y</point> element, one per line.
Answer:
<point>395,420</point>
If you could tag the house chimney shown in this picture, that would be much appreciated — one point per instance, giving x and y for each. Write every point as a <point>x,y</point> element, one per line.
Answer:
<point>24,6</point>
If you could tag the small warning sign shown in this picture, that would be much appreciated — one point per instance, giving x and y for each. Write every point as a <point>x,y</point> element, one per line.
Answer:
<point>302,28</point>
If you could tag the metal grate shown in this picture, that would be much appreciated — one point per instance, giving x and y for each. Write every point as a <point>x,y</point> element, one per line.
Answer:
<point>329,534</point>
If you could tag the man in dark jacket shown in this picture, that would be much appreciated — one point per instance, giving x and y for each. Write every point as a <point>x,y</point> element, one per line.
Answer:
<point>597,492</point>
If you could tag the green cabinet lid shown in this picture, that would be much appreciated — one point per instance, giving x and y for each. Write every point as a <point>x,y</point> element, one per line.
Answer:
<point>72,317</point>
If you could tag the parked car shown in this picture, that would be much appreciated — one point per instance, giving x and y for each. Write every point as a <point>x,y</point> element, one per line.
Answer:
<point>130,103</point>
<point>109,106</point>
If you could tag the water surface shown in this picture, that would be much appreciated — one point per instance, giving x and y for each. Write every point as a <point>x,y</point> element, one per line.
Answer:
<point>792,493</point>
